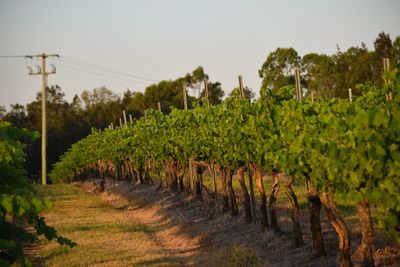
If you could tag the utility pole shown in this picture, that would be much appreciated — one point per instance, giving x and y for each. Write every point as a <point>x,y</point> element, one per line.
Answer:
<point>42,71</point>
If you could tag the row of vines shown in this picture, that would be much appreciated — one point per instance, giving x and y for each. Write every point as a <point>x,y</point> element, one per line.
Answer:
<point>337,148</point>
<point>19,208</point>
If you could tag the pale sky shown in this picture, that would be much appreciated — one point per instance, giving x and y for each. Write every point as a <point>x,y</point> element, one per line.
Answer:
<point>166,39</point>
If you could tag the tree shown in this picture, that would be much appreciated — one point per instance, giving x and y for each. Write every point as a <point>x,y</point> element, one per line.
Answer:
<point>383,45</point>
<point>356,66</point>
<point>247,92</point>
<point>396,51</point>
<point>134,103</point>
<point>16,116</point>
<point>215,93</point>
<point>319,74</point>
<point>278,69</point>
<point>2,111</point>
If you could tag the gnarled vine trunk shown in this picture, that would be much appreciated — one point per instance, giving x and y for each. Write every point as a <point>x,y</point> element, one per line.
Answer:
<point>298,236</point>
<point>198,176</point>
<point>315,205</point>
<point>340,227</point>
<point>181,174</point>
<point>364,214</point>
<point>246,196</point>
<point>272,201</point>
<point>263,197</point>
<point>173,175</point>
<point>140,173</point>
<point>232,198</point>
<point>224,189</point>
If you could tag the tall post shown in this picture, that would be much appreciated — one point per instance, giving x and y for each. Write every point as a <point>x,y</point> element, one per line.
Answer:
<point>111,126</point>
<point>350,95</point>
<point>44,75</point>
<point>252,200</point>
<point>120,122</point>
<point>159,106</point>
<point>299,93</point>
<point>312,96</point>
<point>386,67</point>
<point>125,121</point>
<point>44,121</point>
<point>130,118</point>
<point>206,91</point>
<point>251,184</point>
<point>185,104</point>
<point>241,86</point>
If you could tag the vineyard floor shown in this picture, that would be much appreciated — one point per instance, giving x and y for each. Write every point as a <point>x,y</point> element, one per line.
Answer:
<point>143,226</point>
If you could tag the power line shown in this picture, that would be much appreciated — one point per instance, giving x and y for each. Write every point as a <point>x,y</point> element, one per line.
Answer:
<point>10,56</point>
<point>89,65</point>
<point>100,74</point>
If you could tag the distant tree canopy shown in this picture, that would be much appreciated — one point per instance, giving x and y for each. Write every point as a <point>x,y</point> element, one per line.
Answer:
<point>247,92</point>
<point>330,76</point>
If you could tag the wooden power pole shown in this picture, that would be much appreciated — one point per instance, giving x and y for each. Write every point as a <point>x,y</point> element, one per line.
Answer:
<point>42,71</point>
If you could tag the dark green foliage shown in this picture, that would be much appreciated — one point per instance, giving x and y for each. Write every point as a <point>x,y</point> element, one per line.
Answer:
<point>18,206</point>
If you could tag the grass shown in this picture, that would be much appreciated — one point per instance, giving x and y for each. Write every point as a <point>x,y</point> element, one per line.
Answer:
<point>107,236</point>
<point>104,235</point>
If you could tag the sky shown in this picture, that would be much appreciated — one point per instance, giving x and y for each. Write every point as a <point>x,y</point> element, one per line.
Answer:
<point>165,39</point>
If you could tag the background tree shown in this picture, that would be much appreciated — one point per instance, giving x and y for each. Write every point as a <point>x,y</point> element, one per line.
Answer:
<point>319,74</point>
<point>278,69</point>
<point>215,93</point>
<point>248,93</point>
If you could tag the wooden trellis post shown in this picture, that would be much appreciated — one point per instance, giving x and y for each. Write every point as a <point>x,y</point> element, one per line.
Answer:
<point>251,184</point>
<point>386,67</point>
<point>124,115</point>
<point>350,95</point>
<point>241,86</point>
<point>206,91</point>
<point>185,104</point>
<point>299,93</point>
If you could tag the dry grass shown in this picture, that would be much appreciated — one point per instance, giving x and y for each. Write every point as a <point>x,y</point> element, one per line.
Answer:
<point>105,235</point>
<point>124,228</point>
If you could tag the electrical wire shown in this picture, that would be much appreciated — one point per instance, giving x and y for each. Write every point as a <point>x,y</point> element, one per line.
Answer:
<point>93,66</point>
<point>99,74</point>
<point>10,56</point>
<point>82,66</point>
